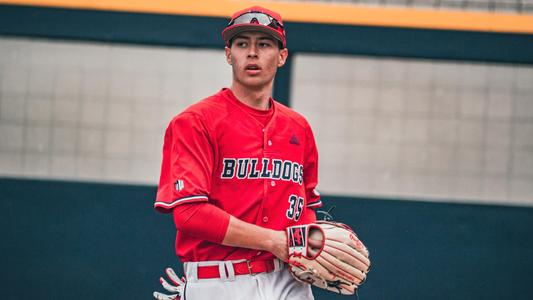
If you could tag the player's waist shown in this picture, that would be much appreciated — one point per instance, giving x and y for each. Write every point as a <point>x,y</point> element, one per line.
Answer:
<point>189,248</point>
<point>228,269</point>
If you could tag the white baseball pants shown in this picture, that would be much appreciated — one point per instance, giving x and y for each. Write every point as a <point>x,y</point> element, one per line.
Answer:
<point>276,285</point>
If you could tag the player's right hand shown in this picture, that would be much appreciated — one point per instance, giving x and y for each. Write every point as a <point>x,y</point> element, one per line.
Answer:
<point>177,288</point>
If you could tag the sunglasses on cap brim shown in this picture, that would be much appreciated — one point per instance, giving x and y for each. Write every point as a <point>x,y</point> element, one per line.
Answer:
<point>256,18</point>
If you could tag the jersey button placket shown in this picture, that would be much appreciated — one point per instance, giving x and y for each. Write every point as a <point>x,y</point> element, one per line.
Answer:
<point>264,213</point>
<point>266,153</point>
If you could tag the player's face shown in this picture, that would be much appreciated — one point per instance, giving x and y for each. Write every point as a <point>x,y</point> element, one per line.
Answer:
<point>255,58</point>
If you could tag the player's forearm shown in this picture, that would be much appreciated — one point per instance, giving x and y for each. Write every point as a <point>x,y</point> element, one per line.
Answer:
<point>246,235</point>
<point>190,218</point>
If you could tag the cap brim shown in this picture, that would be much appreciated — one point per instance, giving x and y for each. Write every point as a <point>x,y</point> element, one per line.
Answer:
<point>232,31</point>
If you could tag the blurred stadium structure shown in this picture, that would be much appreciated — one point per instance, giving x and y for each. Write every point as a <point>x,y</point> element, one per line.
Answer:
<point>519,6</point>
<point>424,131</point>
<point>415,113</point>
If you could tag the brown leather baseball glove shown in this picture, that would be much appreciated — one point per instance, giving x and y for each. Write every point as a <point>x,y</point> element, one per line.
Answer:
<point>328,255</point>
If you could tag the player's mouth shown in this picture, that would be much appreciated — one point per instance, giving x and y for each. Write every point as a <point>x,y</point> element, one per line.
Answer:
<point>252,69</point>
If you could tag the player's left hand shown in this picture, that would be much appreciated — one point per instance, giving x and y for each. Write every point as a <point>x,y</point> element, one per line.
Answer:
<point>177,288</point>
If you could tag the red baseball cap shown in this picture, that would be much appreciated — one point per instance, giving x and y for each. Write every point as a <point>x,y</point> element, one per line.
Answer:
<point>255,18</point>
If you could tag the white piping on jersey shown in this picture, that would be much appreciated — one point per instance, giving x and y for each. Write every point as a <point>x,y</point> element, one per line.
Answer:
<point>179,201</point>
<point>314,204</point>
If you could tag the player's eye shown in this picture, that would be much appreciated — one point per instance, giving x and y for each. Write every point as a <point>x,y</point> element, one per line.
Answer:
<point>264,44</point>
<point>241,44</point>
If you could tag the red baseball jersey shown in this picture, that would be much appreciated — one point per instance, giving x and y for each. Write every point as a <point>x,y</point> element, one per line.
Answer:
<point>262,173</point>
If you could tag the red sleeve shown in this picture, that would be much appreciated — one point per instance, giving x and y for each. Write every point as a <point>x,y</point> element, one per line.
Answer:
<point>311,171</point>
<point>190,219</point>
<point>187,163</point>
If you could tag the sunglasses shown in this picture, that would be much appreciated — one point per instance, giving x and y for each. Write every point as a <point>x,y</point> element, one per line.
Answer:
<point>256,18</point>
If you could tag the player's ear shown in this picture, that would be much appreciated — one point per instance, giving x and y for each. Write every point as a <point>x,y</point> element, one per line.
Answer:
<point>283,54</point>
<point>228,55</point>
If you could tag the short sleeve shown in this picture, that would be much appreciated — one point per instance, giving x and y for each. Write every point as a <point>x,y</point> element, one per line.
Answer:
<point>311,171</point>
<point>187,163</point>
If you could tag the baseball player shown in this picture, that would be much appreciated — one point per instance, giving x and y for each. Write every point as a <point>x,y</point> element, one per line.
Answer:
<point>238,169</point>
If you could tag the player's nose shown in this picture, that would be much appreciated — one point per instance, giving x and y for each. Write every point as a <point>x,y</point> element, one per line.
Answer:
<point>252,50</point>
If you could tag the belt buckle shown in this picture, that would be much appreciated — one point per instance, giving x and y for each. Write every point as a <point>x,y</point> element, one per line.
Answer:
<point>249,265</point>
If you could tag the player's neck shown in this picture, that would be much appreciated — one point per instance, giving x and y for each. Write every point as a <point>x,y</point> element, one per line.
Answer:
<point>255,98</point>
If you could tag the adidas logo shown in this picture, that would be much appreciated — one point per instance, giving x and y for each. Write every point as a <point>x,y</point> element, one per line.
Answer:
<point>294,140</point>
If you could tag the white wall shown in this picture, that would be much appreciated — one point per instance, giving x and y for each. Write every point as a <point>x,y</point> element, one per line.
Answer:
<point>443,131</point>
<point>98,112</point>
<point>419,129</point>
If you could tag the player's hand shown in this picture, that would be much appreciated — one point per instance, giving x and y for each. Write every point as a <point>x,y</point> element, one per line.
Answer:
<point>177,288</point>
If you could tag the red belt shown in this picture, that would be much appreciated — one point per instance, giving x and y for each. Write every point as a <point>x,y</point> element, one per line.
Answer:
<point>240,268</point>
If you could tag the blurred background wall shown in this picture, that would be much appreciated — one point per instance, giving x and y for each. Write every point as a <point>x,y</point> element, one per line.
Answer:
<point>425,135</point>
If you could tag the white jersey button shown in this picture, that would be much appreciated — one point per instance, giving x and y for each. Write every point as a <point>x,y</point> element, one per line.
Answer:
<point>269,142</point>
<point>273,183</point>
<point>265,219</point>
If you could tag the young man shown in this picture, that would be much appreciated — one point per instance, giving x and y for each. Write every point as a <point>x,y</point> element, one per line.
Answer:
<point>238,168</point>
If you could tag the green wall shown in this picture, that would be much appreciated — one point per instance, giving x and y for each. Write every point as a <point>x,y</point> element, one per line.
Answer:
<point>67,240</point>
